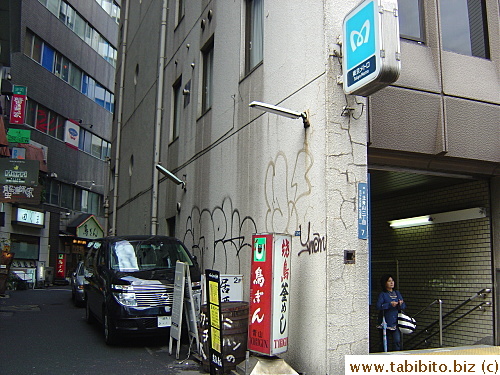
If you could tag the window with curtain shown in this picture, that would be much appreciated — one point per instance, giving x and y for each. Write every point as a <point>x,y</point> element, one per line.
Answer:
<point>207,81</point>
<point>48,57</point>
<point>464,27</point>
<point>254,33</point>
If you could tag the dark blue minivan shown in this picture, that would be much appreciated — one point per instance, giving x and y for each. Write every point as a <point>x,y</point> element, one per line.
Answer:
<point>130,283</point>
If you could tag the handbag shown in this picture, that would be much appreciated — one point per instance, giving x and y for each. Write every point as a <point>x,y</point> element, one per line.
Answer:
<point>406,324</point>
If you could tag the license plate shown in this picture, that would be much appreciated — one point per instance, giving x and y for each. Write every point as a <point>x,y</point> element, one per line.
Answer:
<point>164,321</point>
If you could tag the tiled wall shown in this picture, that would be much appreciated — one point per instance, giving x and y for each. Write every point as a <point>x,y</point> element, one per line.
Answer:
<point>448,261</point>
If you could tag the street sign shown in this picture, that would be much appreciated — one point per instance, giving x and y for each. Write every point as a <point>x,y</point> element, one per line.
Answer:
<point>370,47</point>
<point>363,210</point>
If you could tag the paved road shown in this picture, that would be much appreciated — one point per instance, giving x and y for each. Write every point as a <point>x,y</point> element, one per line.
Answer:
<point>41,332</point>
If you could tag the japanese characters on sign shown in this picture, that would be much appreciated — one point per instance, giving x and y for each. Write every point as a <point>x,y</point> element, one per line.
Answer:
<point>214,319</point>
<point>363,210</point>
<point>20,194</point>
<point>61,266</point>
<point>269,294</point>
<point>281,290</point>
<point>18,105</point>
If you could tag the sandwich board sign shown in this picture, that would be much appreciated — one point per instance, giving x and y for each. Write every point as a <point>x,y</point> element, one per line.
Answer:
<point>370,47</point>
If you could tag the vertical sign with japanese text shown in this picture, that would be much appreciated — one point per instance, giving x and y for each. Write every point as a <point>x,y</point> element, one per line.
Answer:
<point>281,291</point>
<point>212,279</point>
<point>363,212</point>
<point>269,294</point>
<point>18,105</point>
<point>61,266</point>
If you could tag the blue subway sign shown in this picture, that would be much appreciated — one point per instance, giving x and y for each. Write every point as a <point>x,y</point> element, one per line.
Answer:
<point>370,47</point>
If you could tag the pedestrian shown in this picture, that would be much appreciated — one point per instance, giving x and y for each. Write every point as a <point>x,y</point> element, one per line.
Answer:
<point>389,303</point>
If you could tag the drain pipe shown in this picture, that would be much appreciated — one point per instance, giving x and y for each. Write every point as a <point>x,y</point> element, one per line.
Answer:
<point>119,119</point>
<point>158,118</point>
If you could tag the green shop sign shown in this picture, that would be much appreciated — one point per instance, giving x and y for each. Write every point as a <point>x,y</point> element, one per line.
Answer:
<point>18,136</point>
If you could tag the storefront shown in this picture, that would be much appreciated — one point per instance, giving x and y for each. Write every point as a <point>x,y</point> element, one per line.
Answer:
<point>73,244</point>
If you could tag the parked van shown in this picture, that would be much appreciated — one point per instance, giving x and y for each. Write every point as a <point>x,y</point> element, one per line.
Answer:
<point>130,283</point>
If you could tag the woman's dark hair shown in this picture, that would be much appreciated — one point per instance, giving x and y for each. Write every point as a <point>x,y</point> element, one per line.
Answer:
<point>384,279</point>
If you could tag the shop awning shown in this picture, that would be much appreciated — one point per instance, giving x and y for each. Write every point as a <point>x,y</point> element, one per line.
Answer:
<point>4,149</point>
<point>34,153</point>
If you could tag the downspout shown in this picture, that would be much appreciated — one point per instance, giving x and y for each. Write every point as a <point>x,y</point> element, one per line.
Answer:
<point>119,118</point>
<point>158,118</point>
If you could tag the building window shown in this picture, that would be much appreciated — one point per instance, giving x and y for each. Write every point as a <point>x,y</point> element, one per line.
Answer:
<point>411,19</point>
<point>207,81</point>
<point>37,50</point>
<point>254,33</point>
<point>181,8</point>
<point>48,58</point>
<point>42,116</point>
<point>177,110</point>
<point>464,28</point>
<point>53,192</point>
<point>67,196</point>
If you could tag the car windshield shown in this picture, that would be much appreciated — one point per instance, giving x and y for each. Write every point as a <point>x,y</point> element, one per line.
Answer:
<point>131,256</point>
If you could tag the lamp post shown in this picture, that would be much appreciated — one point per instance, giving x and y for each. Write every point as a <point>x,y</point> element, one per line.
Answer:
<point>280,111</point>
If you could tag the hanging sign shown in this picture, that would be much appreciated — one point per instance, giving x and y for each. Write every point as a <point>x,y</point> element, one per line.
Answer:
<point>18,171</point>
<point>90,228</point>
<point>18,135</point>
<point>370,47</point>
<point>18,105</point>
<point>71,134</point>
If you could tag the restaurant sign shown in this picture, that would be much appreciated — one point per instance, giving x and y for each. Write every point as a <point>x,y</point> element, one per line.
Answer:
<point>269,294</point>
<point>19,172</point>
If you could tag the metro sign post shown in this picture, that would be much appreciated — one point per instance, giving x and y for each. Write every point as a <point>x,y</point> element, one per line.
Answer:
<point>370,47</point>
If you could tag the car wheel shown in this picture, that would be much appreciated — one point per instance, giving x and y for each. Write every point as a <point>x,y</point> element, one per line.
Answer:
<point>110,334</point>
<point>88,314</point>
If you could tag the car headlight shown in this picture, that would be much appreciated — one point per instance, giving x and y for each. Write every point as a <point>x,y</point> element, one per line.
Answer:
<point>124,295</point>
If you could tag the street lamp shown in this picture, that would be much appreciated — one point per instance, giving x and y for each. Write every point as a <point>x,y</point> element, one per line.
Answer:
<point>171,176</point>
<point>282,112</point>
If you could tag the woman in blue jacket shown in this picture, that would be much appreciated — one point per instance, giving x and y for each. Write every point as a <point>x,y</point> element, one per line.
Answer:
<point>389,302</point>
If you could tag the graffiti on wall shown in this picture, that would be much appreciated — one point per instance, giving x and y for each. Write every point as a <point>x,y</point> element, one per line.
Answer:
<point>285,187</point>
<point>221,234</point>
<point>221,230</point>
<point>311,245</point>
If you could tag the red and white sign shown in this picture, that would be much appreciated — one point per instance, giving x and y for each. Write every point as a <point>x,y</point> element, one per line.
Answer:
<point>269,294</point>
<point>61,266</point>
<point>18,105</point>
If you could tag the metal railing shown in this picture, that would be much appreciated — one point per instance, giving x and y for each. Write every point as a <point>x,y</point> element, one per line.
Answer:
<point>439,322</point>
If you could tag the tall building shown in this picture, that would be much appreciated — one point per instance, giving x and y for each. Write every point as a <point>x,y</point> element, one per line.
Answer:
<point>57,70</point>
<point>427,145</point>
